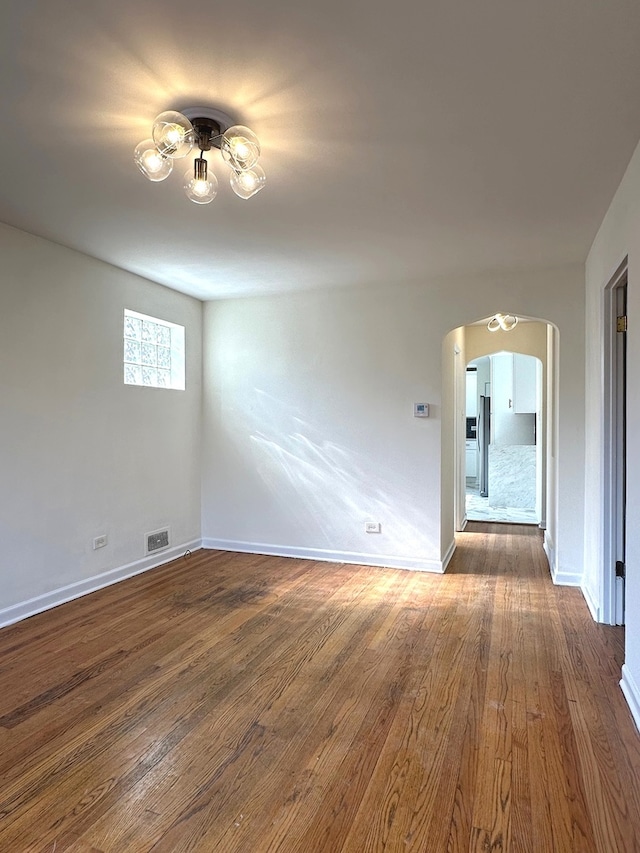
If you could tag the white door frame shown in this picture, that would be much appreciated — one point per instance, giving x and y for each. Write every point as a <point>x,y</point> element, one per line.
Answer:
<point>459,399</point>
<point>550,434</point>
<point>611,588</point>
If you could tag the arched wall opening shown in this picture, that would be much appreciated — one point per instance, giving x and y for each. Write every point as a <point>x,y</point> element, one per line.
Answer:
<point>533,337</point>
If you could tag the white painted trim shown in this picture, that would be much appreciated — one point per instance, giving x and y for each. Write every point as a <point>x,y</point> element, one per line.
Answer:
<point>592,604</point>
<point>24,609</point>
<point>566,578</point>
<point>449,552</point>
<point>631,694</point>
<point>550,551</point>
<point>609,418</point>
<point>559,577</point>
<point>418,564</point>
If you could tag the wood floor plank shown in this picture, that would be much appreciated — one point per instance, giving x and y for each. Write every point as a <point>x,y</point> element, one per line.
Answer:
<point>411,759</point>
<point>416,774</point>
<point>325,736</point>
<point>185,678</point>
<point>227,711</point>
<point>250,704</point>
<point>285,690</point>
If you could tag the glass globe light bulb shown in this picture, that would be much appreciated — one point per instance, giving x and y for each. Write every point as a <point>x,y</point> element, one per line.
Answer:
<point>173,134</point>
<point>200,187</point>
<point>151,162</point>
<point>240,147</point>
<point>248,182</point>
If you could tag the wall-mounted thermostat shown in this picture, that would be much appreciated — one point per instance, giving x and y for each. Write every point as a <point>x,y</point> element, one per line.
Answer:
<point>420,410</point>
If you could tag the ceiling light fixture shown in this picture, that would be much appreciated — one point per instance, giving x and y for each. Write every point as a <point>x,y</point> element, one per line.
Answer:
<point>506,322</point>
<point>174,135</point>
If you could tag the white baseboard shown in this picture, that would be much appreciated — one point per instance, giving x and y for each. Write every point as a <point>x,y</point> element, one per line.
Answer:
<point>417,564</point>
<point>631,694</point>
<point>24,609</point>
<point>594,608</point>
<point>559,577</point>
<point>550,551</point>
<point>449,553</point>
<point>566,578</point>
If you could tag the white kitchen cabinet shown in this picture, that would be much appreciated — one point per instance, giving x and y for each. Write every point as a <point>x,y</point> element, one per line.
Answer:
<point>524,384</point>
<point>471,460</point>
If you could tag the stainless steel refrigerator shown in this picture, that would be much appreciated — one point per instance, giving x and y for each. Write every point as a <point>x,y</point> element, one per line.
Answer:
<point>484,437</point>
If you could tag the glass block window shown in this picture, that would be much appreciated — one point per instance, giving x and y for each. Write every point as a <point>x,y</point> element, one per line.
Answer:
<point>153,352</point>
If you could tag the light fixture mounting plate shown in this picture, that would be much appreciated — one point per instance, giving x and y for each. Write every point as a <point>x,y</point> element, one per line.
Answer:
<point>212,121</point>
<point>219,116</point>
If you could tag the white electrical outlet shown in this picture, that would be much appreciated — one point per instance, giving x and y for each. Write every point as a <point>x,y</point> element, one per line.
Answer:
<point>99,541</point>
<point>372,527</point>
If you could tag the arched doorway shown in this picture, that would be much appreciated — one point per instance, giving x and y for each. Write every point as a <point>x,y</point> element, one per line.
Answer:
<point>534,337</point>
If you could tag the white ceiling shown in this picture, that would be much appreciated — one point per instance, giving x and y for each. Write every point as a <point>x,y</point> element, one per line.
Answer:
<point>401,140</point>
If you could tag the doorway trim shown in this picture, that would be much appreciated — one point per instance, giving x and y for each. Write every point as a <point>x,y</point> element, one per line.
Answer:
<point>611,606</point>
<point>459,510</point>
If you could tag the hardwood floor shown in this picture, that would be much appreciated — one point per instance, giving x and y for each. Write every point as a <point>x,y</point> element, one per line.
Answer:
<point>230,702</point>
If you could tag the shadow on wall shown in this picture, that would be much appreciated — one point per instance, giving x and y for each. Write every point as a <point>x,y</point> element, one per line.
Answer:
<point>329,488</point>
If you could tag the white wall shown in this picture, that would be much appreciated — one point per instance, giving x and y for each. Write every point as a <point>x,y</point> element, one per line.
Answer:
<point>619,236</point>
<point>308,421</point>
<point>526,338</point>
<point>309,428</point>
<point>81,454</point>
